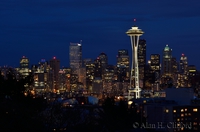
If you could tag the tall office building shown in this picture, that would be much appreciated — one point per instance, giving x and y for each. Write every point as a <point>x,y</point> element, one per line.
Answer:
<point>108,78</point>
<point>153,72</point>
<point>191,73</point>
<point>104,60</point>
<point>183,64</point>
<point>183,72</point>
<point>174,65</point>
<point>41,75</point>
<point>167,62</point>
<point>123,70</point>
<point>75,58</point>
<point>90,75</point>
<point>141,60</point>
<point>155,65</point>
<point>67,72</point>
<point>174,71</point>
<point>74,82</point>
<point>55,66</point>
<point>24,66</point>
<point>97,87</point>
<point>98,68</point>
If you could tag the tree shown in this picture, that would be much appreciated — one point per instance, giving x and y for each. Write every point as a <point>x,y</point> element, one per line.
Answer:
<point>18,113</point>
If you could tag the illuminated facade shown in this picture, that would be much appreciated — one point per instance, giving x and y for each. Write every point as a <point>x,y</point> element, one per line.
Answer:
<point>82,76</point>
<point>141,61</point>
<point>134,34</point>
<point>74,82</point>
<point>104,60</point>
<point>90,75</point>
<point>68,76</point>
<point>123,69</point>
<point>191,73</point>
<point>182,76</point>
<point>153,77</point>
<point>183,64</point>
<point>155,65</point>
<point>75,58</point>
<point>174,71</point>
<point>98,68</point>
<point>41,76</point>
<point>167,62</point>
<point>97,87</point>
<point>62,80</point>
<point>108,79</point>
<point>24,66</point>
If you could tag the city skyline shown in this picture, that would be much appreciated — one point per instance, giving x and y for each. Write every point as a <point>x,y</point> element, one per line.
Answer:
<point>45,29</point>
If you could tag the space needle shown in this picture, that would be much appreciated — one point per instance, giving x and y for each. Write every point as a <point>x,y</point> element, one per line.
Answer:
<point>134,34</point>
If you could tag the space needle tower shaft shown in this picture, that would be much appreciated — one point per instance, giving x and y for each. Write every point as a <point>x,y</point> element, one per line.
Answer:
<point>134,34</point>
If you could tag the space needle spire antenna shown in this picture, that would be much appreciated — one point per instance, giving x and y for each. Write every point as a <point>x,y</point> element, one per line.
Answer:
<point>134,22</point>
<point>134,34</point>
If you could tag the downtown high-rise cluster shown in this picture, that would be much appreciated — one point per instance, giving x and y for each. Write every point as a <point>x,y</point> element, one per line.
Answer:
<point>165,89</point>
<point>98,77</point>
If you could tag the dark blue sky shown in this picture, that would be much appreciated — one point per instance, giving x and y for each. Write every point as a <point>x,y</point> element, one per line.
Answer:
<point>44,28</point>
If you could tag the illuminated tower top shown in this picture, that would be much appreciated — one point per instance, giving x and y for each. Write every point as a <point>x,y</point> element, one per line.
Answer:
<point>24,62</point>
<point>134,31</point>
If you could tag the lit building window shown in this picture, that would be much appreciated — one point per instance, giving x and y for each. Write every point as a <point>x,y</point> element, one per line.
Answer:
<point>185,109</point>
<point>178,119</point>
<point>174,111</point>
<point>182,110</point>
<point>167,111</point>
<point>195,110</point>
<point>182,115</point>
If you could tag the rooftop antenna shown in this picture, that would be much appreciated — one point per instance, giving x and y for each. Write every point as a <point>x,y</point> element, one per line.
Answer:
<point>81,42</point>
<point>134,22</point>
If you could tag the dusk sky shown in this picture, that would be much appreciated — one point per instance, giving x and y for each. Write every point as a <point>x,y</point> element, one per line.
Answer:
<point>44,28</point>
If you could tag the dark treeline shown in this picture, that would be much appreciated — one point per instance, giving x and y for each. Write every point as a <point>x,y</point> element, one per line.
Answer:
<point>25,113</point>
<point>18,112</point>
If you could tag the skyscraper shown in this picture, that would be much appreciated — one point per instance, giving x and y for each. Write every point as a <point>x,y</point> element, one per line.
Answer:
<point>98,68</point>
<point>183,64</point>
<point>183,72</point>
<point>141,60</point>
<point>167,62</point>
<point>104,60</point>
<point>75,58</point>
<point>41,75</point>
<point>155,65</point>
<point>134,34</point>
<point>90,75</point>
<point>55,66</point>
<point>122,65</point>
<point>108,78</point>
<point>24,66</point>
